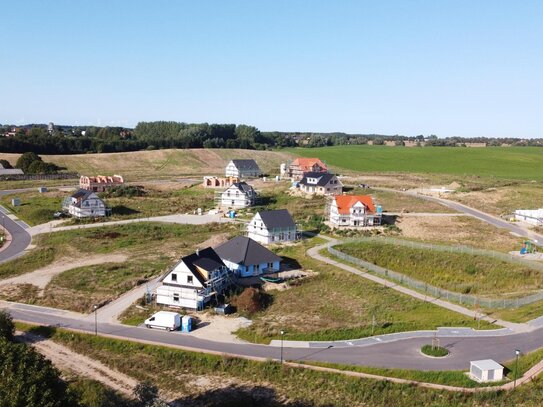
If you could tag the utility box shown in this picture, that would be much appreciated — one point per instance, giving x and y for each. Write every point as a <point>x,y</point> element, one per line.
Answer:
<point>186,323</point>
<point>486,371</point>
<point>16,202</point>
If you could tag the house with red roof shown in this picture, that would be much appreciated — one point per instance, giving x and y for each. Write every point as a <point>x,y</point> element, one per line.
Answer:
<point>300,166</point>
<point>354,211</point>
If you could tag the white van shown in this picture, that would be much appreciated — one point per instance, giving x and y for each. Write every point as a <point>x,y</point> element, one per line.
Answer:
<point>169,321</point>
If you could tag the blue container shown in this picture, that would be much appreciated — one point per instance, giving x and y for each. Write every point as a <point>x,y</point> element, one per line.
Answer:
<point>186,324</point>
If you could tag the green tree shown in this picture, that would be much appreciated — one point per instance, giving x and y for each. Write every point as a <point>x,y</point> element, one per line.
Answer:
<point>26,159</point>
<point>28,379</point>
<point>6,164</point>
<point>7,328</point>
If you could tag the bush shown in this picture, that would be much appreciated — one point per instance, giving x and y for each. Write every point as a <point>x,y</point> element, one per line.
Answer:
<point>251,300</point>
<point>435,351</point>
<point>7,328</point>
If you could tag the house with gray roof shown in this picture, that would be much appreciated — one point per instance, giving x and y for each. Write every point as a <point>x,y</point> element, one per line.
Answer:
<point>238,195</point>
<point>84,204</point>
<point>276,226</point>
<point>194,280</point>
<point>10,171</point>
<point>248,258</point>
<point>320,183</point>
<point>243,169</point>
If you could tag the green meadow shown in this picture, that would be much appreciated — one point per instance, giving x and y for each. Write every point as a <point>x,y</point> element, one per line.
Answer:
<point>522,163</point>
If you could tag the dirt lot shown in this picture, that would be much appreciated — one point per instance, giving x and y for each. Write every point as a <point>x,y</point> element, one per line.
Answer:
<point>459,230</point>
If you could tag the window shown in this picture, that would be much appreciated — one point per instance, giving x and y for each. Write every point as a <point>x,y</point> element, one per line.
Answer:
<point>176,297</point>
<point>189,279</point>
<point>174,276</point>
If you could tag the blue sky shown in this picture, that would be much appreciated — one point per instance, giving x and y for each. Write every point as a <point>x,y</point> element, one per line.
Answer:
<point>451,68</point>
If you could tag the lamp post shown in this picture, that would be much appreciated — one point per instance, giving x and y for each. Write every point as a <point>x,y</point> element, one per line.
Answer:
<point>282,333</point>
<point>95,307</point>
<point>517,353</point>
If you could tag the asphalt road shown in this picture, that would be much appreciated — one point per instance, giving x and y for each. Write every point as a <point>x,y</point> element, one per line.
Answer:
<point>403,353</point>
<point>20,238</point>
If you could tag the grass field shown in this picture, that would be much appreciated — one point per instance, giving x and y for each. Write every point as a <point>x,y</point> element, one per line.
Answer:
<point>523,163</point>
<point>159,164</point>
<point>35,208</point>
<point>459,272</point>
<point>236,382</point>
<point>151,247</point>
<point>336,305</point>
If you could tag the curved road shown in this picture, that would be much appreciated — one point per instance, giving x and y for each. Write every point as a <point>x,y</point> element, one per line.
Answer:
<point>401,353</point>
<point>20,239</point>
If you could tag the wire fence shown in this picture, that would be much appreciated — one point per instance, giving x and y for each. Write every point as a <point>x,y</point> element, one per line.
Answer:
<point>465,299</point>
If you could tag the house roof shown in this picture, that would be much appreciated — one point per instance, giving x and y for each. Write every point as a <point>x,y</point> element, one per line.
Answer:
<point>10,171</point>
<point>345,202</point>
<point>243,187</point>
<point>279,218</point>
<point>81,194</point>
<point>206,259</point>
<point>244,250</point>
<point>323,178</point>
<point>307,163</point>
<point>486,364</point>
<point>248,165</point>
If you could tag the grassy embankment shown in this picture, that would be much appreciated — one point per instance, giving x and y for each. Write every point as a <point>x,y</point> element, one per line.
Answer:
<point>281,384</point>
<point>150,248</point>
<point>335,305</point>
<point>162,164</point>
<point>460,272</point>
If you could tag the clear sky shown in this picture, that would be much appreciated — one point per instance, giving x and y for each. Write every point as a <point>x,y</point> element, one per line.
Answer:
<point>450,68</point>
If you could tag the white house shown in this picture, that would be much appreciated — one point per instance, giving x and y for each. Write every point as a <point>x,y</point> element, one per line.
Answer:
<point>84,204</point>
<point>354,211</point>
<point>194,280</point>
<point>248,258</point>
<point>272,227</point>
<point>485,370</point>
<point>238,195</point>
<point>320,183</point>
<point>531,216</point>
<point>243,169</point>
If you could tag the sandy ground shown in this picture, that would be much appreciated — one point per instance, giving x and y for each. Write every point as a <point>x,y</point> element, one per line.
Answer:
<point>43,276</point>
<point>67,360</point>
<point>214,241</point>
<point>219,328</point>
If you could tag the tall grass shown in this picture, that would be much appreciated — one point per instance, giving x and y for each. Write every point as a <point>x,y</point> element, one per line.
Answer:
<point>460,272</point>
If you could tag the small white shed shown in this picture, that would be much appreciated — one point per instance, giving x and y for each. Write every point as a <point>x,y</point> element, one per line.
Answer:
<point>486,370</point>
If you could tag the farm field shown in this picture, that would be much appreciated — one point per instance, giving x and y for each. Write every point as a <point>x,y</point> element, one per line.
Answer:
<point>458,272</point>
<point>522,163</point>
<point>336,305</point>
<point>214,380</point>
<point>161,164</point>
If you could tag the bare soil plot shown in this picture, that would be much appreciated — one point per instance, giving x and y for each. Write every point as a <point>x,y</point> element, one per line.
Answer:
<point>503,200</point>
<point>458,230</point>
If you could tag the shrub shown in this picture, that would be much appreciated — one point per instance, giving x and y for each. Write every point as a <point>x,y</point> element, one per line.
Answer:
<point>7,328</point>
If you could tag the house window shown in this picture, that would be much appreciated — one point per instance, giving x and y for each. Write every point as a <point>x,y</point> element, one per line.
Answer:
<point>189,279</point>
<point>174,276</point>
<point>176,297</point>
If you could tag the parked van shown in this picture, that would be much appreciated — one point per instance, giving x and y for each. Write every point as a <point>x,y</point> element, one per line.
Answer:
<point>170,321</point>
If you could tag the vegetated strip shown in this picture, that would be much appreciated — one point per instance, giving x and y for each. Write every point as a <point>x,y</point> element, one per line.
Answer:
<point>68,336</point>
<point>421,268</point>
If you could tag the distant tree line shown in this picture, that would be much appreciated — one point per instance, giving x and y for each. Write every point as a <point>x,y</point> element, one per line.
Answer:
<point>169,134</point>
